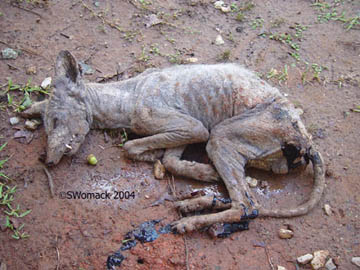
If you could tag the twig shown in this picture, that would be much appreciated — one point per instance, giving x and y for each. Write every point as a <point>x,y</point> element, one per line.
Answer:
<point>27,10</point>
<point>268,257</point>
<point>58,258</point>
<point>64,35</point>
<point>51,183</point>
<point>186,253</point>
<point>57,254</point>
<point>61,30</point>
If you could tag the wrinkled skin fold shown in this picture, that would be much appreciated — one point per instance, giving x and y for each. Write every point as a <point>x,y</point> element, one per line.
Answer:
<point>245,122</point>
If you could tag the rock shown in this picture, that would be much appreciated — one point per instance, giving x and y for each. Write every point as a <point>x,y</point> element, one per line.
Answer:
<point>286,234</point>
<point>304,259</point>
<point>279,267</point>
<point>330,265</point>
<point>225,9</point>
<point>192,60</point>
<point>219,4</point>
<point>152,20</point>
<point>219,40</point>
<point>159,170</point>
<point>319,259</point>
<point>31,70</point>
<point>24,136</point>
<point>356,261</point>
<point>251,181</point>
<point>329,172</point>
<point>9,53</point>
<point>14,120</point>
<point>31,124</point>
<point>87,70</point>
<point>46,83</point>
<point>327,209</point>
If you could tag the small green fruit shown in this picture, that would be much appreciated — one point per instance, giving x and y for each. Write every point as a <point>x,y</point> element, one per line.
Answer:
<point>91,159</point>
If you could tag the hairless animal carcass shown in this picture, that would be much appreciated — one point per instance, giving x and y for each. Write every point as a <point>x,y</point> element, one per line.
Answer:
<point>243,120</point>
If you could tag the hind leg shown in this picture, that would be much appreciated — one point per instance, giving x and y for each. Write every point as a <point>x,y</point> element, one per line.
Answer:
<point>224,149</point>
<point>201,203</point>
<point>194,170</point>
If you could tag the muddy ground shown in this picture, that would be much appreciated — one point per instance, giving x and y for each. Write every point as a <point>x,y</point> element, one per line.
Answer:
<point>310,52</point>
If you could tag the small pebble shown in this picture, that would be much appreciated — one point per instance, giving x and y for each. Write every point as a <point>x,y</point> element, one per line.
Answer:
<point>191,60</point>
<point>356,261</point>
<point>87,70</point>
<point>225,9</point>
<point>14,120</point>
<point>252,182</point>
<point>219,40</point>
<point>31,70</point>
<point>147,196</point>
<point>319,259</point>
<point>286,234</point>
<point>159,170</point>
<point>305,258</point>
<point>9,53</point>
<point>31,124</point>
<point>219,4</point>
<point>327,209</point>
<point>46,83</point>
<point>330,265</point>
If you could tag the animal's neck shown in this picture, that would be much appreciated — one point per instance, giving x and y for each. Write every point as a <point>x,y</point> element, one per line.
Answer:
<point>112,104</point>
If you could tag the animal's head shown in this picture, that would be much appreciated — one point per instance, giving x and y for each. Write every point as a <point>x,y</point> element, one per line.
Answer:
<point>277,139</point>
<point>66,115</point>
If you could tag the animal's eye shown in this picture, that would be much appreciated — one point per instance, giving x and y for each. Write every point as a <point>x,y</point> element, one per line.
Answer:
<point>55,123</point>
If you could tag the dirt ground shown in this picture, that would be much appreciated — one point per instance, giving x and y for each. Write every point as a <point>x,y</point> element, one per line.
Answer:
<point>309,51</point>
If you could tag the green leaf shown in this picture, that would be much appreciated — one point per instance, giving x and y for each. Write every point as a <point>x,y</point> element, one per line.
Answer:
<point>15,236</point>
<point>25,213</point>
<point>3,146</point>
<point>21,226</point>
<point>7,222</point>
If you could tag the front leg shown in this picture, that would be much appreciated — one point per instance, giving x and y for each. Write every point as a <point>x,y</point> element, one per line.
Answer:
<point>195,170</point>
<point>166,129</point>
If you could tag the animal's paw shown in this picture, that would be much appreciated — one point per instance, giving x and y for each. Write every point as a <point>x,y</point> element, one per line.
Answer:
<point>184,225</point>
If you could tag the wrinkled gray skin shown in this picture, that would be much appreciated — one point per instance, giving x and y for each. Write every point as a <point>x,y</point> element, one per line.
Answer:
<point>244,121</point>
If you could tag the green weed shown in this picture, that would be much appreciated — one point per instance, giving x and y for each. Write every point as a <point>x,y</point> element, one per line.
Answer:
<point>281,76</point>
<point>26,91</point>
<point>6,199</point>
<point>258,22</point>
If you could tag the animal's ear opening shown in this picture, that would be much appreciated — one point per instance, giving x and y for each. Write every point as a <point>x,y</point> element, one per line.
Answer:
<point>67,66</point>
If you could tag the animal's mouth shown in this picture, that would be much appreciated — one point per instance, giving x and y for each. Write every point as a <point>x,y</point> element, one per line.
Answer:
<point>68,149</point>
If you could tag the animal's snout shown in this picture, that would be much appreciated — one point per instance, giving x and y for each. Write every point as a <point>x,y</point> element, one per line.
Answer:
<point>50,163</point>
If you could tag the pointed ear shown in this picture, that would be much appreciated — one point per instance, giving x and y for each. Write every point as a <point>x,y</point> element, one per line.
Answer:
<point>67,66</point>
<point>36,110</point>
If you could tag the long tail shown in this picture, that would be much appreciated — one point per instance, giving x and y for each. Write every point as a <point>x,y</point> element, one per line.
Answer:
<point>319,185</point>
